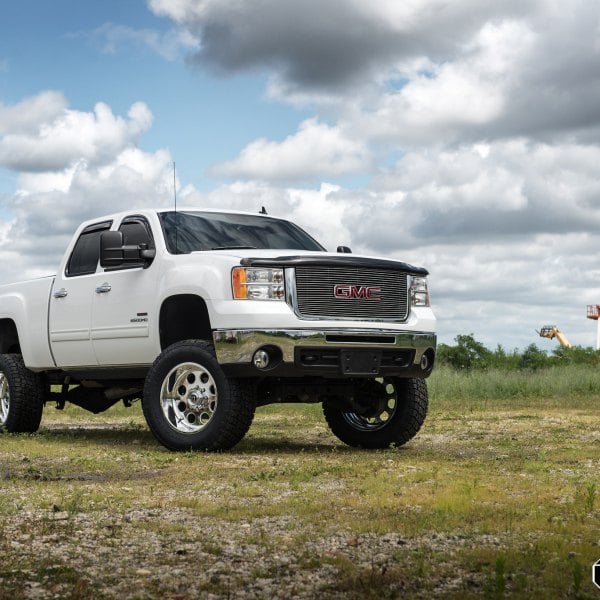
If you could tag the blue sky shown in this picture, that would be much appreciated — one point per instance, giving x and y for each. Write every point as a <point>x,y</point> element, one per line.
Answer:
<point>200,117</point>
<point>461,137</point>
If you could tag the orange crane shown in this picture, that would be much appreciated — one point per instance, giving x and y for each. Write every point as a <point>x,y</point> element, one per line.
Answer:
<point>551,332</point>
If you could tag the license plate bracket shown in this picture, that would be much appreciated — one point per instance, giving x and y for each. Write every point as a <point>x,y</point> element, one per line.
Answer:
<point>360,362</point>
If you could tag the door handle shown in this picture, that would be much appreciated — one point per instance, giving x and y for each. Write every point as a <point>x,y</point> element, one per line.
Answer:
<point>103,289</point>
<point>62,293</point>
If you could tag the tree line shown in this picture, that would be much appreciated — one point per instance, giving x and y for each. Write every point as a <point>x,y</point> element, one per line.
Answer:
<point>468,353</point>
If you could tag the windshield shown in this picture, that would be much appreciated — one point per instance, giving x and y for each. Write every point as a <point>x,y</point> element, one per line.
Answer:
<point>196,231</point>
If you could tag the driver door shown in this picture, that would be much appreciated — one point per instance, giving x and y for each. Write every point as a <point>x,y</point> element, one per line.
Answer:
<point>71,301</point>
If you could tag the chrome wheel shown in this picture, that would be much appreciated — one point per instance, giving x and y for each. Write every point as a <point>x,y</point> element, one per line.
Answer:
<point>188,398</point>
<point>380,399</point>
<point>4,399</point>
<point>190,403</point>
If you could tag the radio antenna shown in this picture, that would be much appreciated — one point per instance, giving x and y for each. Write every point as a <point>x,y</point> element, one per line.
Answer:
<point>174,187</point>
<point>175,206</point>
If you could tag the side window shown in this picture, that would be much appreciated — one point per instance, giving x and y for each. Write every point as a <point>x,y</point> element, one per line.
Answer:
<point>136,231</point>
<point>137,236</point>
<point>86,253</point>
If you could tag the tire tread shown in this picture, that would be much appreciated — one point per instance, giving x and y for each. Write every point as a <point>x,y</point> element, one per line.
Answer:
<point>26,395</point>
<point>402,428</point>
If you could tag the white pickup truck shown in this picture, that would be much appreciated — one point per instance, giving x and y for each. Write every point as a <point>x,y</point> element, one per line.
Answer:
<point>205,315</point>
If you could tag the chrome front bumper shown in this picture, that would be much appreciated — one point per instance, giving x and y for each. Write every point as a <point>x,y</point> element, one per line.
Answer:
<point>237,348</point>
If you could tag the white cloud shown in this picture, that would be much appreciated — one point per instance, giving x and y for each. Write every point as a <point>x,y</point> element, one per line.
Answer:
<point>42,134</point>
<point>513,189</point>
<point>49,206</point>
<point>332,45</point>
<point>26,116</point>
<point>180,10</point>
<point>170,45</point>
<point>493,69</point>
<point>48,181</point>
<point>442,102</point>
<point>316,150</point>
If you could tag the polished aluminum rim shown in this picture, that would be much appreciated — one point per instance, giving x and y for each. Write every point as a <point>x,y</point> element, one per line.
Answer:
<point>383,410</point>
<point>4,399</point>
<point>188,398</point>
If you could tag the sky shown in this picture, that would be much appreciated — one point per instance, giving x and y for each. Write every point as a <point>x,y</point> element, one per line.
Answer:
<point>463,137</point>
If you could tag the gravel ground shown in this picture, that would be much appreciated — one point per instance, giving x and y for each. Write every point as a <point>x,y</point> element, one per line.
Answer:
<point>171,553</point>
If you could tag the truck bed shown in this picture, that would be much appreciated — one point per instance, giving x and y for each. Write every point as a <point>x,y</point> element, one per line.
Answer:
<point>26,302</point>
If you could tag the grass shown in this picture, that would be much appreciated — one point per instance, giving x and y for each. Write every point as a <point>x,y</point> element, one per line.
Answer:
<point>495,498</point>
<point>547,386</point>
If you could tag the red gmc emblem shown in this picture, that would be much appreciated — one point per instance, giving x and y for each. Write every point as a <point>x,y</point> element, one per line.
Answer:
<point>356,292</point>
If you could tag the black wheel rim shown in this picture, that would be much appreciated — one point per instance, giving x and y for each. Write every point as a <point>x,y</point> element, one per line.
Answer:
<point>382,397</point>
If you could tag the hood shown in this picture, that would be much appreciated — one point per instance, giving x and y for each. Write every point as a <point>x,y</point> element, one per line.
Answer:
<point>329,259</point>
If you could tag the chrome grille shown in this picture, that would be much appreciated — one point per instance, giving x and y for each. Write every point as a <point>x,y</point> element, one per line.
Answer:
<point>315,293</point>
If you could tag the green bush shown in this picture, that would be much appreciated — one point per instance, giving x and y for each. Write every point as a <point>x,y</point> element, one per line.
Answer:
<point>534,358</point>
<point>469,354</point>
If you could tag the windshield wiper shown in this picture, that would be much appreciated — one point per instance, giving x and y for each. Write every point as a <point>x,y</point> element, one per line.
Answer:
<point>234,248</point>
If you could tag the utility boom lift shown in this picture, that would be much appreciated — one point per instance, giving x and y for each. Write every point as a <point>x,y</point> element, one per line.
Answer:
<point>593,312</point>
<point>551,332</point>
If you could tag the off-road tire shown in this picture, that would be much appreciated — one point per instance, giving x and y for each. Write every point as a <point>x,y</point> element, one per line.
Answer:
<point>21,395</point>
<point>177,423</point>
<point>402,422</point>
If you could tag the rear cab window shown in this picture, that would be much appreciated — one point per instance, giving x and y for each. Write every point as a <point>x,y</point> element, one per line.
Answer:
<point>86,252</point>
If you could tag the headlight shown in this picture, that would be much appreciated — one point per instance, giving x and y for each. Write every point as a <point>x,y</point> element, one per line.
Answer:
<point>251,283</point>
<point>419,293</point>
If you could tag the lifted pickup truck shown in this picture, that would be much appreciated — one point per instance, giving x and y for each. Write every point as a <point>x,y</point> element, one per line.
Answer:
<point>206,315</point>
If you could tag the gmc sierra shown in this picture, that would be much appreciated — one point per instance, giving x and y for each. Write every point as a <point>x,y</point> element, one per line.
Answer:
<point>205,315</point>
